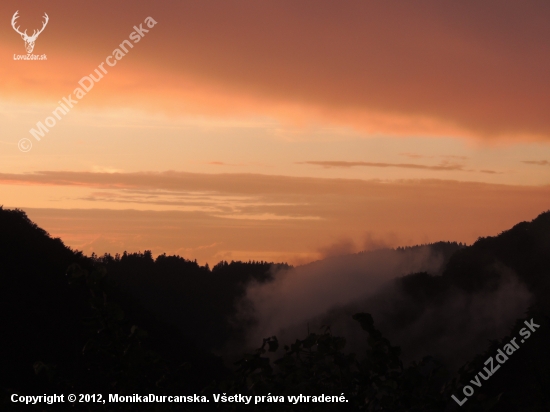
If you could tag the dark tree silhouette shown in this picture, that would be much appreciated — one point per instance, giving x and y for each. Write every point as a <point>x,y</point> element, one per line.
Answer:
<point>131,324</point>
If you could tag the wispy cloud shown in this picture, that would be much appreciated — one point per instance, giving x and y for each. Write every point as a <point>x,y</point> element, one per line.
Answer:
<point>491,172</point>
<point>537,162</point>
<point>415,155</point>
<point>454,157</point>
<point>254,214</point>
<point>219,205</point>
<point>220,163</point>
<point>443,166</point>
<point>423,156</point>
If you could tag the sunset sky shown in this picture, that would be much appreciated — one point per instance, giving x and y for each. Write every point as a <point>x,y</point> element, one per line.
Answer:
<point>277,130</point>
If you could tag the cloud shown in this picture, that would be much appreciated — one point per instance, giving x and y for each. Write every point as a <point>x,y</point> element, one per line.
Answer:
<point>441,167</point>
<point>369,241</point>
<point>492,172</point>
<point>421,156</point>
<point>288,216</point>
<point>415,155</point>
<point>445,68</point>
<point>454,157</point>
<point>536,162</point>
<point>219,163</point>
<point>339,248</point>
<point>248,183</point>
<point>373,241</point>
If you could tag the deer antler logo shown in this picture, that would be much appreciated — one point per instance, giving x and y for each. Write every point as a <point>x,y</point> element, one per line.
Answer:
<point>29,40</point>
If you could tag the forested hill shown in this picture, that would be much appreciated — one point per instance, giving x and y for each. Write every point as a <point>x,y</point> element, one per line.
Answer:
<point>524,249</point>
<point>200,301</point>
<point>40,312</point>
<point>66,324</point>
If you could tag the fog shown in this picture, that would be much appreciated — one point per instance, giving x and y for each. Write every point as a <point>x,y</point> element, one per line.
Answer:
<point>442,320</point>
<point>305,292</point>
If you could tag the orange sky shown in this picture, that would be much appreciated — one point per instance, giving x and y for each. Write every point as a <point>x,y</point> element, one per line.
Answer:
<point>324,122</point>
